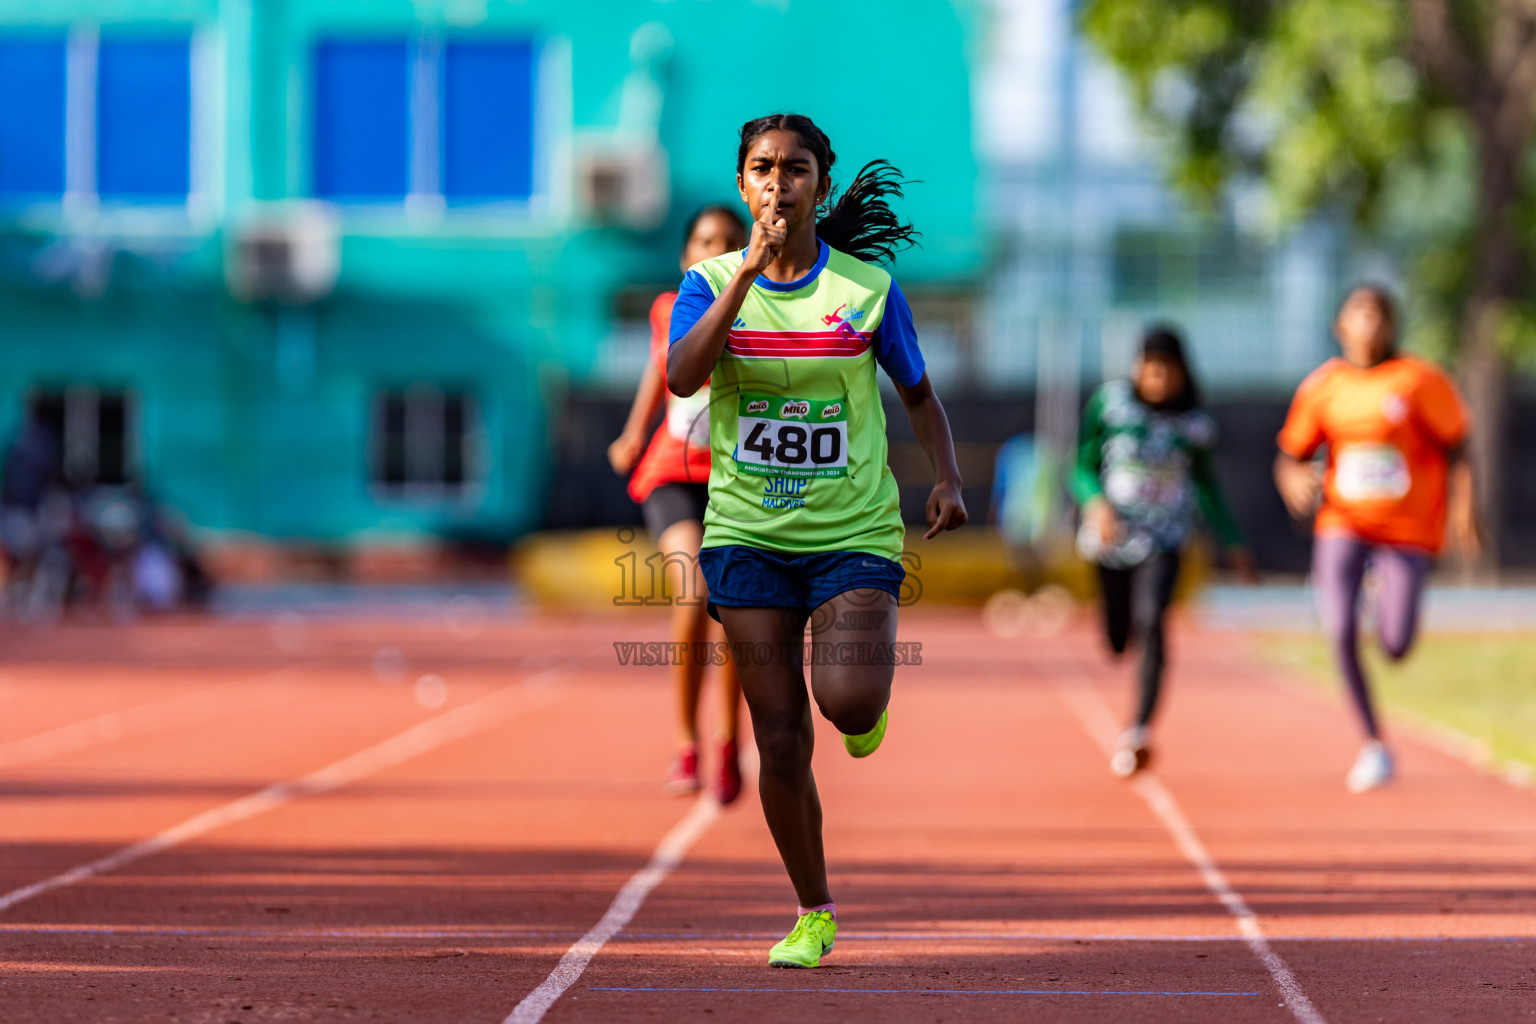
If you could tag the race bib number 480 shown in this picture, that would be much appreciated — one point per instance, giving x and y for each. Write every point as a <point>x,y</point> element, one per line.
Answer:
<point>794,437</point>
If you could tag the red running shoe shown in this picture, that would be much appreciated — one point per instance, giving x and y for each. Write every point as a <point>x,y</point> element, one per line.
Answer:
<point>683,776</point>
<point>728,781</point>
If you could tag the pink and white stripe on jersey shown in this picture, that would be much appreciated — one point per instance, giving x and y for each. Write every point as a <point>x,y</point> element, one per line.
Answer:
<point>799,344</point>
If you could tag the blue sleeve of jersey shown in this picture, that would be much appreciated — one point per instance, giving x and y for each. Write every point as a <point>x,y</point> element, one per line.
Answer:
<point>694,296</point>
<point>895,340</point>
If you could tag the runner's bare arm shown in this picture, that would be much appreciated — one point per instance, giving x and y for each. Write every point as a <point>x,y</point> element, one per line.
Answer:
<point>692,359</point>
<point>1465,527</point>
<point>946,509</point>
<point>1298,484</point>
<point>625,451</point>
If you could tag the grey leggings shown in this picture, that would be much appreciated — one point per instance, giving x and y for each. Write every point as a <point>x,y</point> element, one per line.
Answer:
<point>1338,571</point>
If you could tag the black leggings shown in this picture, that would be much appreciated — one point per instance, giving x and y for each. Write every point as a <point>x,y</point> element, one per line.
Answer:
<point>1140,597</point>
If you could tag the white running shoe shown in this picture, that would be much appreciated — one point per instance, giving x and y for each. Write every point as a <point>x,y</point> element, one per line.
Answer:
<point>1373,768</point>
<point>1132,752</point>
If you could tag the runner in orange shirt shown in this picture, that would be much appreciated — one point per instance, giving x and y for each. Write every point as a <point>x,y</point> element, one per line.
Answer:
<point>1395,430</point>
<point>670,481</point>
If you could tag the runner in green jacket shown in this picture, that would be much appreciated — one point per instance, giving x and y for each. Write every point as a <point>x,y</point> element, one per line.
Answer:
<point>1145,478</point>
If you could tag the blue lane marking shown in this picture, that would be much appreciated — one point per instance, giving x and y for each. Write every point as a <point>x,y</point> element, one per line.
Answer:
<point>1052,937</point>
<point>922,991</point>
<point>492,932</point>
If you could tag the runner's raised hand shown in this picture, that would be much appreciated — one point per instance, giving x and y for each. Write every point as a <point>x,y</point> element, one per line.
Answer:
<point>768,233</point>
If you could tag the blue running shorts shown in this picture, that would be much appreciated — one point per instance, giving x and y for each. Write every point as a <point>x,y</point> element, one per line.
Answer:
<point>743,577</point>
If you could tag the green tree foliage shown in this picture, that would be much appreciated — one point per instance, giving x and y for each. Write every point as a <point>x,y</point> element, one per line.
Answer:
<point>1314,95</point>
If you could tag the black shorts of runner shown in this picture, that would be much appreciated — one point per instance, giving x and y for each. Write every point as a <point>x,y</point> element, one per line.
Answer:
<point>670,504</point>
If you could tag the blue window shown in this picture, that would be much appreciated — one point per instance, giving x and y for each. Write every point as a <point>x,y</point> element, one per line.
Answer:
<point>362,141</point>
<point>32,131</point>
<point>488,97</point>
<point>403,117</point>
<point>144,119</point>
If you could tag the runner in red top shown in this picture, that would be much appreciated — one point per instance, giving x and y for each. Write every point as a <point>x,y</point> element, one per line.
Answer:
<point>671,483</point>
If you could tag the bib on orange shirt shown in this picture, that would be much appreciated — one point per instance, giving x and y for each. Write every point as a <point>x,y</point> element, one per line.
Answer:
<point>1389,431</point>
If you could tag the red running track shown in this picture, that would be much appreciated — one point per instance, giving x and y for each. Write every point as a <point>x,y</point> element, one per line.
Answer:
<point>205,822</point>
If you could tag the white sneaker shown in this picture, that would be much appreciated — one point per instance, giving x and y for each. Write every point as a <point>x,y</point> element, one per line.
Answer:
<point>1373,768</point>
<point>1132,752</point>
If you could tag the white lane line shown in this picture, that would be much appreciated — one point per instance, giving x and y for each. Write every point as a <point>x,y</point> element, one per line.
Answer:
<point>669,854</point>
<point>1089,708</point>
<point>419,739</point>
<point>170,712</point>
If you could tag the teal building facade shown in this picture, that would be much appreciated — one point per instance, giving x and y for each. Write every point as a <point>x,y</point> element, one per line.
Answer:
<point>327,269</point>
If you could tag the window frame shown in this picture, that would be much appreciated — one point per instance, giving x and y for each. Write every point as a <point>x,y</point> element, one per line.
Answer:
<point>80,207</point>
<point>474,463</point>
<point>424,208</point>
<point>81,403</point>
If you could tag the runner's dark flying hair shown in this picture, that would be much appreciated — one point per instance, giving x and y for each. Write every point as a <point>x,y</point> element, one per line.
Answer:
<point>859,221</point>
<point>712,210</point>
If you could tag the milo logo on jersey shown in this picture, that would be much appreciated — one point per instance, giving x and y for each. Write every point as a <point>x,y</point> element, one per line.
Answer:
<point>792,437</point>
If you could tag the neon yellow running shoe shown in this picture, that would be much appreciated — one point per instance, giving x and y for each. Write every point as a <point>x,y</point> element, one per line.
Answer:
<point>812,937</point>
<point>867,743</point>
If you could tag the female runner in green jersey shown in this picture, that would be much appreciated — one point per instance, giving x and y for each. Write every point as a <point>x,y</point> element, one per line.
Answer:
<point>803,523</point>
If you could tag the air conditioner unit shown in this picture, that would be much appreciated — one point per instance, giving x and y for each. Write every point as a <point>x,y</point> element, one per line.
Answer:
<point>287,252</point>
<point>624,186</point>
